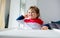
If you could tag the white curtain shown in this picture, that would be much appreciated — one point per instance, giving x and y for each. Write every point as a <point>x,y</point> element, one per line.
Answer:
<point>14,13</point>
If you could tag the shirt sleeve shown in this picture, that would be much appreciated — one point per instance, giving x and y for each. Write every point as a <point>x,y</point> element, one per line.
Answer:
<point>47,26</point>
<point>20,17</point>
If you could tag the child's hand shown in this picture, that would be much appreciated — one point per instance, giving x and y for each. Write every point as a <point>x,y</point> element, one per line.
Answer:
<point>26,16</point>
<point>44,28</point>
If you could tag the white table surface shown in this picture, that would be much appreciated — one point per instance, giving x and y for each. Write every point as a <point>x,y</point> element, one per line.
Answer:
<point>29,33</point>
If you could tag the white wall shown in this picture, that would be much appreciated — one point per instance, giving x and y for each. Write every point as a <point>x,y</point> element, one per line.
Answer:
<point>59,7</point>
<point>14,13</point>
<point>30,3</point>
<point>50,10</point>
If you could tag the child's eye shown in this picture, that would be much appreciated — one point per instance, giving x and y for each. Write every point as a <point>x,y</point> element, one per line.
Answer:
<point>28,12</point>
<point>32,12</point>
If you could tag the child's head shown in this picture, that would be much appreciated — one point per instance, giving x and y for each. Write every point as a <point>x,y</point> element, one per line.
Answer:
<point>33,12</point>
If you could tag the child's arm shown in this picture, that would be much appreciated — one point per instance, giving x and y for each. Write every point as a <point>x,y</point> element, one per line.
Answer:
<point>20,17</point>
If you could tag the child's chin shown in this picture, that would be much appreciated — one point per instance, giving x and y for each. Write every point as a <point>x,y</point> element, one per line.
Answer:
<point>30,18</point>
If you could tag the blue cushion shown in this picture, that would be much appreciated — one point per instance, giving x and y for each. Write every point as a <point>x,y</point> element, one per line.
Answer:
<point>55,24</point>
<point>58,22</point>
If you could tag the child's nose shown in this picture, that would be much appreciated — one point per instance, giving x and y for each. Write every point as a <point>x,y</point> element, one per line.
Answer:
<point>31,12</point>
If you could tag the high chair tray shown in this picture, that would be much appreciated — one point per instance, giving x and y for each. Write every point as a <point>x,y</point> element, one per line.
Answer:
<point>17,33</point>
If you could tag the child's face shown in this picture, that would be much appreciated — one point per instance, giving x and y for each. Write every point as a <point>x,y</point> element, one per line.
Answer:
<point>32,14</point>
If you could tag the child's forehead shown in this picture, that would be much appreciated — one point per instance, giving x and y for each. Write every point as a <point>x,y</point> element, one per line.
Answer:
<point>31,10</point>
